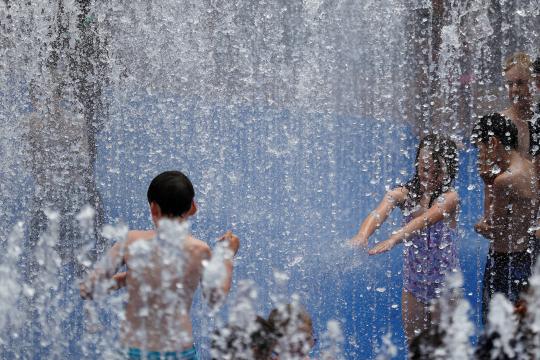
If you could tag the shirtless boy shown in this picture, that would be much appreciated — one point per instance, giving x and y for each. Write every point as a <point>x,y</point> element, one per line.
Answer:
<point>164,268</point>
<point>510,208</point>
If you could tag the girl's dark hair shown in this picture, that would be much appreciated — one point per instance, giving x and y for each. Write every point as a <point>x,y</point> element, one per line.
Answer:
<point>444,154</point>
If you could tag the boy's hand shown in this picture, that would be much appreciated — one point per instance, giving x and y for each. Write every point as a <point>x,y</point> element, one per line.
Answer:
<point>359,240</point>
<point>85,292</point>
<point>520,308</point>
<point>120,280</point>
<point>232,240</point>
<point>382,247</point>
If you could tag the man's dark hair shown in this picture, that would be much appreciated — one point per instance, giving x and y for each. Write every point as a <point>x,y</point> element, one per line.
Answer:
<point>536,66</point>
<point>495,125</point>
<point>173,192</point>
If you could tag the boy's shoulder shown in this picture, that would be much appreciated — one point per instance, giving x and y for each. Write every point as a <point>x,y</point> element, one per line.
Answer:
<point>191,243</point>
<point>136,235</point>
<point>196,245</point>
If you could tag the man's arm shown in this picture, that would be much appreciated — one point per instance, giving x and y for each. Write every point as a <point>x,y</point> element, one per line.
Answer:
<point>488,202</point>
<point>483,226</point>
<point>508,189</point>
<point>488,176</point>
<point>536,165</point>
<point>524,183</point>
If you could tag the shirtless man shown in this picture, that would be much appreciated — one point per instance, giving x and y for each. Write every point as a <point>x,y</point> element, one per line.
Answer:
<point>522,79</point>
<point>536,75</point>
<point>164,268</point>
<point>519,81</point>
<point>510,208</point>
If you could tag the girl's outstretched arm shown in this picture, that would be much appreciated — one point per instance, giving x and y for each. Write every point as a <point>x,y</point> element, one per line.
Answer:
<point>442,207</point>
<point>375,219</point>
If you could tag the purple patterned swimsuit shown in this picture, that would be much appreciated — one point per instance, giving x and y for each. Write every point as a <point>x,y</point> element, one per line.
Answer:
<point>429,256</point>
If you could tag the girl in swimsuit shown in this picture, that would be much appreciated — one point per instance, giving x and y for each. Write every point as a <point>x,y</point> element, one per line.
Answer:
<point>429,204</point>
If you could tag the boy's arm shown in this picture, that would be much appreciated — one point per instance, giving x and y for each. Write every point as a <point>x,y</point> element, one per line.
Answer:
<point>233,243</point>
<point>119,280</point>
<point>442,207</point>
<point>104,271</point>
<point>213,291</point>
<point>377,217</point>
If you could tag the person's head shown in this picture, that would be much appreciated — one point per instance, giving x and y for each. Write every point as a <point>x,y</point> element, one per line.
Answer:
<point>262,340</point>
<point>436,166</point>
<point>425,344</point>
<point>171,195</point>
<point>293,329</point>
<point>518,75</point>
<point>235,342</point>
<point>494,135</point>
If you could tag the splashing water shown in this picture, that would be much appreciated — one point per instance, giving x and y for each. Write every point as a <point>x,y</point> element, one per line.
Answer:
<point>291,117</point>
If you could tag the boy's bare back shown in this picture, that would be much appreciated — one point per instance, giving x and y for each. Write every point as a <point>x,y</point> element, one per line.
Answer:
<point>161,283</point>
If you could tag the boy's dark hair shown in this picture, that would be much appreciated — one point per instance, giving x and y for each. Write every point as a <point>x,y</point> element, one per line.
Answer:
<point>498,126</point>
<point>173,192</point>
<point>444,153</point>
